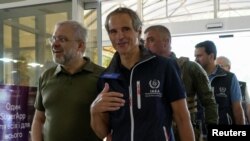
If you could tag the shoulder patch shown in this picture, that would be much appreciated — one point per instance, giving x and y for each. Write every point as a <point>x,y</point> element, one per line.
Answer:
<point>111,75</point>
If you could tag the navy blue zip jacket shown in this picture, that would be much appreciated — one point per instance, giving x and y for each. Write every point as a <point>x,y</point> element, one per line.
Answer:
<point>149,88</point>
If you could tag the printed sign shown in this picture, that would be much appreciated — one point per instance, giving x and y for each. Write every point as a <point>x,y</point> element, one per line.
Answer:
<point>16,112</point>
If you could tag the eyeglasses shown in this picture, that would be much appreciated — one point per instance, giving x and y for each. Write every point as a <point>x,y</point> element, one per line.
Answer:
<point>61,39</point>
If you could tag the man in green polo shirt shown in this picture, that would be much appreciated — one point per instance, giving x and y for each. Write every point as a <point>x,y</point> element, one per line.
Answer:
<point>66,91</point>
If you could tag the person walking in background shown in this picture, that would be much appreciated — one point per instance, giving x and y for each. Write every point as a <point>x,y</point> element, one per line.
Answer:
<point>157,38</point>
<point>224,84</point>
<point>225,63</point>
<point>66,91</point>
<point>140,92</point>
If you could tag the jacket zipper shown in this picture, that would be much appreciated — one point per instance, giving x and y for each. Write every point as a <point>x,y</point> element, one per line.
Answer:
<point>165,133</point>
<point>131,97</point>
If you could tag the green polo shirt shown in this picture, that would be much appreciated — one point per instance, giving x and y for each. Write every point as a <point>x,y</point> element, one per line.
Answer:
<point>65,98</point>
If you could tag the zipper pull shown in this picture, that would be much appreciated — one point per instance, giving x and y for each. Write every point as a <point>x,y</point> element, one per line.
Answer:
<point>138,93</point>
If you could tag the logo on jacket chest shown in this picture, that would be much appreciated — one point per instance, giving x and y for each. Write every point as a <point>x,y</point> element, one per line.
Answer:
<point>221,92</point>
<point>154,90</point>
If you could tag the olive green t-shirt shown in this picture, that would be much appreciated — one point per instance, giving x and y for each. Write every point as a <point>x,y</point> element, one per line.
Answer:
<point>66,101</point>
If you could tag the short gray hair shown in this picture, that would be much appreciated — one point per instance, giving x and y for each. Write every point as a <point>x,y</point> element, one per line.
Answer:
<point>225,60</point>
<point>80,31</point>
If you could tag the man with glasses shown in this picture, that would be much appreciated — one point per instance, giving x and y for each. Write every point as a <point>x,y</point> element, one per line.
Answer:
<point>66,91</point>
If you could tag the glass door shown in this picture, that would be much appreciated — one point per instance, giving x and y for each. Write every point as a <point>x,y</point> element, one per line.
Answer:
<point>25,53</point>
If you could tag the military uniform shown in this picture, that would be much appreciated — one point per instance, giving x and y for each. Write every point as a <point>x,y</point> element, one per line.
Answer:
<point>197,89</point>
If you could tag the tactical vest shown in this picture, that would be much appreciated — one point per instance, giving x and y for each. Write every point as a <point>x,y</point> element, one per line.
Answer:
<point>191,96</point>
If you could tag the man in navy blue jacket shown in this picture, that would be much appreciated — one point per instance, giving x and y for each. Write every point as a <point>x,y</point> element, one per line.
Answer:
<point>140,92</point>
<point>224,84</point>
